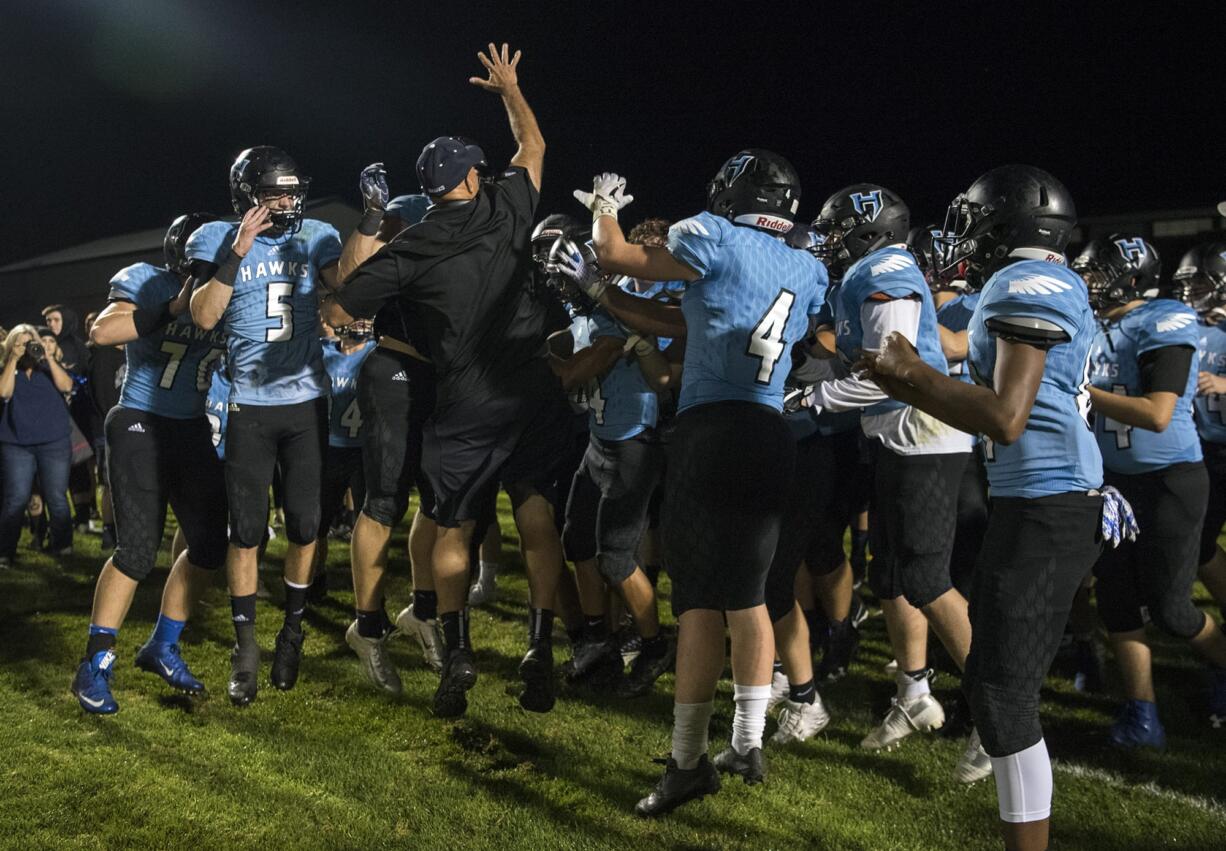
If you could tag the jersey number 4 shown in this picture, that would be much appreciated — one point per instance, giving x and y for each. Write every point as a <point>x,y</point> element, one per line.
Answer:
<point>766,339</point>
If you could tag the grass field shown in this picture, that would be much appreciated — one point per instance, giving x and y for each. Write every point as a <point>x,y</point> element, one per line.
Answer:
<point>332,764</point>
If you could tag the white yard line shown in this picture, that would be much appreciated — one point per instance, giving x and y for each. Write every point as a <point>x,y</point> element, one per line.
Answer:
<point>1110,778</point>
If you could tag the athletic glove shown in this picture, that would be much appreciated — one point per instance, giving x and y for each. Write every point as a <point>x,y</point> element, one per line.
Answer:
<point>373,184</point>
<point>607,195</point>
<point>580,266</point>
<point>1119,523</point>
<point>644,346</point>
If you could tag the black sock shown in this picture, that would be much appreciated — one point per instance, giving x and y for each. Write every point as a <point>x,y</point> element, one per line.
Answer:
<point>540,625</point>
<point>595,629</point>
<point>777,668</point>
<point>425,605</point>
<point>295,606</point>
<point>654,646</point>
<point>803,693</point>
<point>575,634</point>
<point>859,545</point>
<point>242,612</point>
<point>372,624</point>
<point>455,629</point>
<point>916,676</point>
<point>99,641</point>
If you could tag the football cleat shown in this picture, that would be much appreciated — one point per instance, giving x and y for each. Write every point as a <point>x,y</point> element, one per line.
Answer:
<point>482,592</point>
<point>679,785</point>
<point>376,662</point>
<point>917,715</point>
<point>588,655</point>
<point>165,661</point>
<point>750,766</point>
<point>630,643</point>
<point>859,612</point>
<point>429,635</point>
<point>800,721</point>
<point>92,684</point>
<point>1137,726</point>
<point>1088,676</point>
<point>244,672</point>
<point>459,675</point>
<point>536,670</point>
<point>286,657</point>
<point>841,645</point>
<point>647,668</point>
<point>779,690</point>
<point>975,763</point>
<point>1217,697</point>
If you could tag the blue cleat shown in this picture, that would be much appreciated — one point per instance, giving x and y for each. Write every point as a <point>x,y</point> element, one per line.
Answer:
<point>165,661</point>
<point>1217,697</point>
<point>92,684</point>
<point>1138,727</point>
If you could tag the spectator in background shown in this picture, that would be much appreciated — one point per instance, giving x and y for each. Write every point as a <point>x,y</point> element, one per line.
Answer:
<point>34,436</point>
<point>106,371</point>
<point>74,356</point>
<point>63,322</point>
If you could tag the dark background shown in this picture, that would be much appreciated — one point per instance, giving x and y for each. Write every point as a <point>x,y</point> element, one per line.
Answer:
<point>120,115</point>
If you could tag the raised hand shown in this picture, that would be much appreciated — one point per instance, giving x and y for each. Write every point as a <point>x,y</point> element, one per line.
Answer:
<point>373,184</point>
<point>608,195</point>
<point>893,359</point>
<point>501,66</point>
<point>255,222</point>
<point>571,261</point>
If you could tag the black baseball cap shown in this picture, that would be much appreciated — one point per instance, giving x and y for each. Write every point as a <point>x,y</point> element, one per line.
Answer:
<point>445,162</point>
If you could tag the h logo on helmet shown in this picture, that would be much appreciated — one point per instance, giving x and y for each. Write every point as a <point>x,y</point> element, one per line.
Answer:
<point>1132,249</point>
<point>736,167</point>
<point>867,204</point>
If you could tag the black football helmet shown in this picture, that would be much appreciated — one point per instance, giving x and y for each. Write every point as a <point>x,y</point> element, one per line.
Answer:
<point>1009,207</point>
<point>1118,269</point>
<point>923,242</point>
<point>568,290</point>
<point>758,188</point>
<point>174,245</point>
<point>546,233</point>
<point>1200,280</point>
<point>267,172</point>
<point>857,220</point>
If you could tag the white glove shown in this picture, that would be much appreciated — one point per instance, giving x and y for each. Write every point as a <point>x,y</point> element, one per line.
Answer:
<point>644,346</point>
<point>607,195</point>
<point>572,263</point>
<point>632,342</point>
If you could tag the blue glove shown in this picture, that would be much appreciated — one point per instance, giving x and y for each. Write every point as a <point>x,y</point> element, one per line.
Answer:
<point>1119,523</point>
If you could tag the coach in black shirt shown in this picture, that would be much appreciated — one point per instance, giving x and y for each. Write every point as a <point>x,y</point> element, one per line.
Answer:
<point>458,277</point>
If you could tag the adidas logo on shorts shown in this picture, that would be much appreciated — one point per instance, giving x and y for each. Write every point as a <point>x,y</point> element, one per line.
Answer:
<point>137,427</point>
<point>400,376</point>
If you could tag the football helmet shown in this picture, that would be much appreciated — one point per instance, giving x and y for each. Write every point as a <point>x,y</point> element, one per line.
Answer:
<point>174,244</point>
<point>859,219</point>
<point>1118,269</point>
<point>266,172</point>
<point>758,188</point>
<point>547,232</point>
<point>567,275</point>
<point>1200,280</point>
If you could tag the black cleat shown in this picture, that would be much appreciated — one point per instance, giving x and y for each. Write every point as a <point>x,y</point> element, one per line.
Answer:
<point>751,766</point>
<point>647,668</point>
<point>677,786</point>
<point>536,670</point>
<point>244,676</point>
<point>286,657</point>
<point>589,656</point>
<point>839,649</point>
<point>459,675</point>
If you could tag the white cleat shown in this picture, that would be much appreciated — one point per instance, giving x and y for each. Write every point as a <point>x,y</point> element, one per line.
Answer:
<point>891,667</point>
<point>376,664</point>
<point>482,592</point>
<point>917,715</point>
<point>800,721</point>
<point>779,690</point>
<point>429,635</point>
<point>975,763</point>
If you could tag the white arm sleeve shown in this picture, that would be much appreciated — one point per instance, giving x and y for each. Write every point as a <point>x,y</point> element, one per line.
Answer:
<point>877,318</point>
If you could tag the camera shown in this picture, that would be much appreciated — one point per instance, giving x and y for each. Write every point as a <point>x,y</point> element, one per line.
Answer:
<point>36,351</point>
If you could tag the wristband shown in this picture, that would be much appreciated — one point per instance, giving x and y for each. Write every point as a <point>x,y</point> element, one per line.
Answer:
<point>371,219</point>
<point>149,321</point>
<point>228,270</point>
<point>602,206</point>
<point>632,342</point>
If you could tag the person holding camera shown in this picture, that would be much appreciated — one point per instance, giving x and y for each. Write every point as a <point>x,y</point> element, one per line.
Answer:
<point>34,437</point>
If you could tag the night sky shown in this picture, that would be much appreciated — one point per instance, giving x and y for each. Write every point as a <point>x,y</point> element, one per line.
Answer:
<point>120,114</point>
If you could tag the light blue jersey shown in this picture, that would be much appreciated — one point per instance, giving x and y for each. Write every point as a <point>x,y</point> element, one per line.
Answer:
<point>1057,452</point>
<point>621,404</point>
<point>168,372</point>
<point>1115,366</point>
<point>1211,410</point>
<point>272,321</point>
<point>344,418</point>
<point>805,422</point>
<point>955,315</point>
<point>218,406</point>
<point>886,273</point>
<point>750,305</point>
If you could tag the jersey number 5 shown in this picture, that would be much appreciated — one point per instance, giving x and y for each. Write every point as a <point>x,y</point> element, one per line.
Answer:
<point>766,339</point>
<point>280,308</point>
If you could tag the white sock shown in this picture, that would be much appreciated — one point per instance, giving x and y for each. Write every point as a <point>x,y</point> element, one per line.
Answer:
<point>909,687</point>
<point>750,718</point>
<point>1023,784</point>
<point>690,723</point>
<point>488,574</point>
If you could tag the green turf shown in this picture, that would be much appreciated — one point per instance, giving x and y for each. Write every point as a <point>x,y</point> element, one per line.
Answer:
<point>333,764</point>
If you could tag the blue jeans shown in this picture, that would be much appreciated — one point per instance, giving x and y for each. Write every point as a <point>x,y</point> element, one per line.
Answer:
<point>51,461</point>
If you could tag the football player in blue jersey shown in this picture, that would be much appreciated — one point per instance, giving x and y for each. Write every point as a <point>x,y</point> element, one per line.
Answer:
<point>749,300</point>
<point>1142,390</point>
<point>919,460</point>
<point>1029,339</point>
<point>260,278</point>
<point>160,452</point>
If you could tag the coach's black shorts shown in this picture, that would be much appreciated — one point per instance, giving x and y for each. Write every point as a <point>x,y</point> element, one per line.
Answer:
<point>395,397</point>
<point>1154,574</point>
<point>513,438</point>
<point>729,466</point>
<point>342,472</point>
<point>912,522</point>
<point>1215,511</point>
<point>154,460</point>
<point>261,437</point>
<point>606,514</point>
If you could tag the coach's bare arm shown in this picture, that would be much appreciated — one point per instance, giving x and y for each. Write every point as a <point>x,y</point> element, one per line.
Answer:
<point>504,80</point>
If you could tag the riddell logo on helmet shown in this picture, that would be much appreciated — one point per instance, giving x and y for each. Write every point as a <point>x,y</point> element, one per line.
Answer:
<point>772,223</point>
<point>287,180</point>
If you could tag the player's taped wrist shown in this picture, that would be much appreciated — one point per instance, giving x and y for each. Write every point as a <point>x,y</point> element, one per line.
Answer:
<point>644,346</point>
<point>149,321</point>
<point>228,270</point>
<point>603,206</point>
<point>371,219</point>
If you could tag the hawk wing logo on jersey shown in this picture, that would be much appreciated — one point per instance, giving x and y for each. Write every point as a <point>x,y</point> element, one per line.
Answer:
<point>1174,322</point>
<point>1132,249</point>
<point>893,263</point>
<point>867,204</point>
<point>692,226</point>
<point>1038,285</point>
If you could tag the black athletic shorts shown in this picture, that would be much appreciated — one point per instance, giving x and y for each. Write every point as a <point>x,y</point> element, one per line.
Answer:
<point>972,521</point>
<point>157,460</point>
<point>606,514</point>
<point>1154,574</point>
<point>342,472</point>
<point>473,444</point>
<point>729,466</point>
<point>261,437</point>
<point>395,397</point>
<point>911,524</point>
<point>1215,511</point>
<point>577,440</point>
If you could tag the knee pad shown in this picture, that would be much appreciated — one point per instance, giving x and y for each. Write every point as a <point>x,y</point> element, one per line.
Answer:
<point>1178,617</point>
<point>615,570</point>
<point>881,580</point>
<point>385,510</point>
<point>134,565</point>
<point>521,492</point>
<point>247,534</point>
<point>922,586</point>
<point>780,593</point>
<point>302,529</point>
<point>1007,718</point>
<point>209,556</point>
